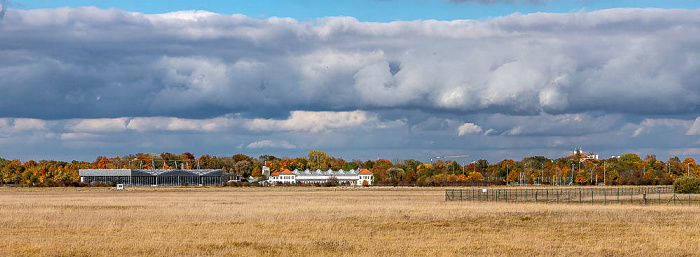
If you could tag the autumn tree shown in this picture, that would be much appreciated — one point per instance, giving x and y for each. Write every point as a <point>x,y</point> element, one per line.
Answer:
<point>475,176</point>
<point>513,176</point>
<point>257,172</point>
<point>318,160</point>
<point>395,173</point>
<point>243,168</point>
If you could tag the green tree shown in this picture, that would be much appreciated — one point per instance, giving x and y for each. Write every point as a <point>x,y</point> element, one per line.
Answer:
<point>318,160</point>
<point>395,173</point>
<point>243,168</point>
<point>350,166</point>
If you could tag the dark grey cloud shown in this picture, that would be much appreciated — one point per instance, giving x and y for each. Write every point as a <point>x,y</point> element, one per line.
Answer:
<point>3,9</point>
<point>110,79</point>
<point>87,62</point>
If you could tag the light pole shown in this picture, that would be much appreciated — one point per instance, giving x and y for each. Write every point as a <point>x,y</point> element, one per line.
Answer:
<point>556,169</point>
<point>604,174</point>
<point>572,175</point>
<point>542,174</point>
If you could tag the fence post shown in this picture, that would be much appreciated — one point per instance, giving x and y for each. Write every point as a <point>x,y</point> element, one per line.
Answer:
<point>631,194</point>
<point>535,196</point>
<point>580,197</point>
<point>592,190</point>
<point>526,195</point>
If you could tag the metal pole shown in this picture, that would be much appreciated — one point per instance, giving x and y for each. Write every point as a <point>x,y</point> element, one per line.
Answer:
<point>605,176</point>
<point>572,174</point>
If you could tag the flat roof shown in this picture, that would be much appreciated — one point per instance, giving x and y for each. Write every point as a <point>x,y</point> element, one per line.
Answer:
<point>142,172</point>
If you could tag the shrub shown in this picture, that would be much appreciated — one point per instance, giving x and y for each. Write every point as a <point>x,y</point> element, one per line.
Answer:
<point>686,185</point>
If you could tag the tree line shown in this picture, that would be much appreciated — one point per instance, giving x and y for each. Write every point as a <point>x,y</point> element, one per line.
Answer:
<point>628,169</point>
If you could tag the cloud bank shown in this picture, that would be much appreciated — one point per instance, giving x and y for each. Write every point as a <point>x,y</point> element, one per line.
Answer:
<point>616,76</point>
<point>93,63</point>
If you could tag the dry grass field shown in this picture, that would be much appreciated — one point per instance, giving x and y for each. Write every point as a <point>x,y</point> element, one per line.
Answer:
<point>328,222</point>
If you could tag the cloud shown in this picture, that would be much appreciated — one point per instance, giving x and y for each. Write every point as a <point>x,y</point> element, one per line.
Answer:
<point>3,9</point>
<point>271,144</point>
<point>79,136</point>
<point>298,121</point>
<point>468,128</point>
<point>182,64</point>
<point>650,125</point>
<point>555,125</point>
<point>695,128</point>
<point>316,121</point>
<point>208,81</point>
<point>19,125</point>
<point>99,125</point>
<point>180,124</point>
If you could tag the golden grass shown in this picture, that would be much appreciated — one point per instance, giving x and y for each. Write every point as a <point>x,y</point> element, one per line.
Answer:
<point>323,222</point>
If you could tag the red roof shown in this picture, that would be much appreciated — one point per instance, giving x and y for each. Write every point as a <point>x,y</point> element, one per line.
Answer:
<point>287,172</point>
<point>365,172</point>
<point>275,174</point>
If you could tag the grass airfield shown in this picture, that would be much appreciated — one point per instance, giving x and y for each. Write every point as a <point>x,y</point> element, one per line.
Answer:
<point>328,222</point>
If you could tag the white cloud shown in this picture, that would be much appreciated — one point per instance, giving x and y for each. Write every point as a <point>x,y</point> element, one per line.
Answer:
<point>19,125</point>
<point>518,77</point>
<point>649,125</point>
<point>517,130</point>
<point>79,136</point>
<point>271,144</point>
<point>316,121</point>
<point>308,121</point>
<point>695,128</point>
<point>99,125</point>
<point>518,64</point>
<point>180,124</point>
<point>469,128</point>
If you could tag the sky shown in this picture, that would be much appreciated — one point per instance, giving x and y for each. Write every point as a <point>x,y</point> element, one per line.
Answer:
<point>393,79</point>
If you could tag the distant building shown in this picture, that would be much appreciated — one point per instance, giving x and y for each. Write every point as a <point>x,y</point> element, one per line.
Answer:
<point>579,153</point>
<point>351,177</point>
<point>141,177</point>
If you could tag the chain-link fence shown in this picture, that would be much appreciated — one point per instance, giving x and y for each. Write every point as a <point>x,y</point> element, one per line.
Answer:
<point>604,195</point>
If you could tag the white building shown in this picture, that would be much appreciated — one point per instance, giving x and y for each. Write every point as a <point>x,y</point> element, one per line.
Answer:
<point>590,156</point>
<point>352,177</point>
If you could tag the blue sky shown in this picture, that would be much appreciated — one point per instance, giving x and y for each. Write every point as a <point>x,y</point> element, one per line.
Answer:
<point>611,77</point>
<point>364,10</point>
